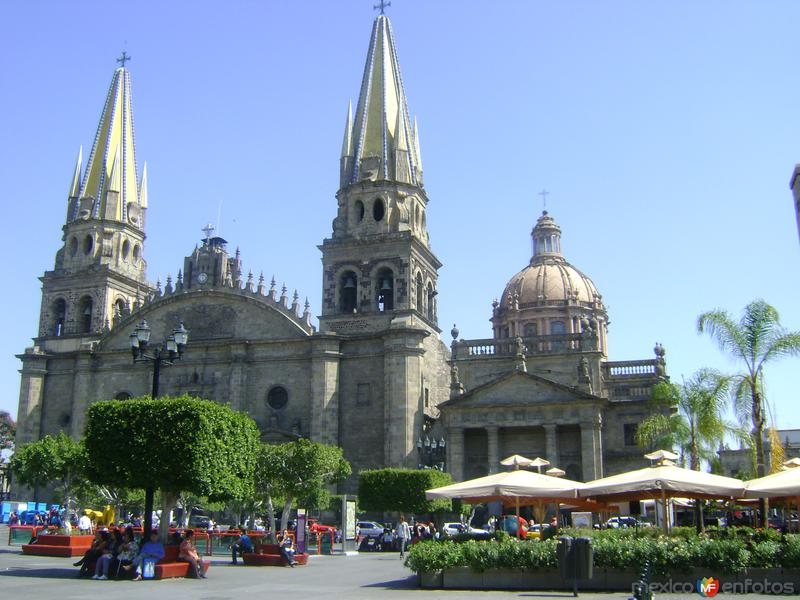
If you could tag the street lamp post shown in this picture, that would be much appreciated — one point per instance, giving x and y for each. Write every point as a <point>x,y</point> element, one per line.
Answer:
<point>431,453</point>
<point>164,354</point>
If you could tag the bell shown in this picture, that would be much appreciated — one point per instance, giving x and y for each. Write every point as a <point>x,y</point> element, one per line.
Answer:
<point>350,282</point>
<point>386,284</point>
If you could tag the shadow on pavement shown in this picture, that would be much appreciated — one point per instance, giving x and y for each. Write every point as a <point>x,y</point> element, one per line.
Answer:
<point>406,583</point>
<point>48,573</point>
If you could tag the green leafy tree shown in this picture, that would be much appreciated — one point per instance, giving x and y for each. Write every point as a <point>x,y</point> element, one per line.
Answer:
<point>58,460</point>
<point>754,341</point>
<point>402,490</point>
<point>301,470</point>
<point>172,444</point>
<point>8,431</point>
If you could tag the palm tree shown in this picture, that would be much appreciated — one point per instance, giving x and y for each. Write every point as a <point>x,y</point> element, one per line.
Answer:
<point>697,426</point>
<point>755,340</point>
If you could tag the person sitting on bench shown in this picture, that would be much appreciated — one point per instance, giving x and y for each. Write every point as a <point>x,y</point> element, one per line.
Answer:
<point>152,549</point>
<point>287,548</point>
<point>240,546</point>
<point>188,553</point>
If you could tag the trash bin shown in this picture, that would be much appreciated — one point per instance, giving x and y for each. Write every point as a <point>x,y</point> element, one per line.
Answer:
<point>566,557</point>
<point>584,557</point>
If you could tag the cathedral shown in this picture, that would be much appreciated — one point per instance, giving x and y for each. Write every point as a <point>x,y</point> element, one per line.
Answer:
<point>542,385</point>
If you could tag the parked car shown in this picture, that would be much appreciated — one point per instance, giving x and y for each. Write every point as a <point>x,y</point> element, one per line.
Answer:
<point>451,529</point>
<point>625,522</point>
<point>370,528</point>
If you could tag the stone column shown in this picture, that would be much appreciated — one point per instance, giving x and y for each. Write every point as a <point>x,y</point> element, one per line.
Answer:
<point>237,379</point>
<point>403,410</point>
<point>591,450</point>
<point>84,392</point>
<point>325,408</point>
<point>31,395</point>
<point>455,452</point>
<point>493,448</point>
<point>551,444</point>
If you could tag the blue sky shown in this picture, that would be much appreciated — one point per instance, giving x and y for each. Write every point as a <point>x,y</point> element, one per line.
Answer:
<point>666,133</point>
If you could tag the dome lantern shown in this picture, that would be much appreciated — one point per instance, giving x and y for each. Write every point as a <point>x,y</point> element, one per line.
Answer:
<point>546,238</point>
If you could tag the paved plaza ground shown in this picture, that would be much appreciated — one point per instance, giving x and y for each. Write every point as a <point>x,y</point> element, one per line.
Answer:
<point>370,575</point>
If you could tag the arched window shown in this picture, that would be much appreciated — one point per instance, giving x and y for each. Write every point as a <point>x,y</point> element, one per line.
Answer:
<point>88,244</point>
<point>359,211</point>
<point>348,292</point>
<point>558,328</point>
<point>137,253</point>
<point>420,292</point>
<point>384,297</point>
<point>59,316</point>
<point>431,303</point>
<point>73,246</point>
<point>120,308</point>
<point>378,209</point>
<point>126,249</point>
<point>530,329</point>
<point>277,397</point>
<point>85,314</point>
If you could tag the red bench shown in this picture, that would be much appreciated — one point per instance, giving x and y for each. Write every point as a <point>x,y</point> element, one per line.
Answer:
<point>269,555</point>
<point>171,566</point>
<point>59,545</point>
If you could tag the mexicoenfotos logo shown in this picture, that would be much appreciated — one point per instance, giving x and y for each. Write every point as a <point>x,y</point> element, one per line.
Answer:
<point>708,587</point>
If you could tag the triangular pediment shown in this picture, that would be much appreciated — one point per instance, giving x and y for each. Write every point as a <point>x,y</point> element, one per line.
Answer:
<point>518,389</point>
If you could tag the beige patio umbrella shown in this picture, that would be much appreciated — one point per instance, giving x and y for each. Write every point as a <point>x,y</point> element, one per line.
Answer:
<point>516,461</point>
<point>783,484</point>
<point>661,481</point>
<point>517,486</point>
<point>555,472</point>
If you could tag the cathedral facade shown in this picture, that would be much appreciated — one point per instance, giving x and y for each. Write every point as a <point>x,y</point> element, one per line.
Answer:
<point>542,385</point>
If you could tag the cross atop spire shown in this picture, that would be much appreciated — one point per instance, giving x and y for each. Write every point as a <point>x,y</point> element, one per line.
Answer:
<point>382,6</point>
<point>544,193</point>
<point>123,59</point>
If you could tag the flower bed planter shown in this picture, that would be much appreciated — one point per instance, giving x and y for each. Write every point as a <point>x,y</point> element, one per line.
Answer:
<point>763,581</point>
<point>59,545</point>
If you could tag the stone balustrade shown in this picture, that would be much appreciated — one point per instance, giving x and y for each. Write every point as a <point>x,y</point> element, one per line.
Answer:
<point>630,368</point>
<point>534,345</point>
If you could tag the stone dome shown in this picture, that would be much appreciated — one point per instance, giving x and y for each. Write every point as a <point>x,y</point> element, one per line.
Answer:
<point>549,281</point>
<point>549,296</point>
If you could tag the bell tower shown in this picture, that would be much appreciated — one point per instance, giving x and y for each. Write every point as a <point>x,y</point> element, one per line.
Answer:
<point>378,264</point>
<point>100,271</point>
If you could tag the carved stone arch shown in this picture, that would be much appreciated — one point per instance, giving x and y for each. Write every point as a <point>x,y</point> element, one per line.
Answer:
<point>430,299</point>
<point>58,316</point>
<point>346,298</point>
<point>419,291</point>
<point>85,312</point>
<point>384,286</point>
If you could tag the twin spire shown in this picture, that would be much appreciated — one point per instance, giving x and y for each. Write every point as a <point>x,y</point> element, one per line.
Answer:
<point>381,144</point>
<point>109,187</point>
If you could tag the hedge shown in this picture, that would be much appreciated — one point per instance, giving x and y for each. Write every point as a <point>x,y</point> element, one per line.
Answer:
<point>617,549</point>
<point>401,490</point>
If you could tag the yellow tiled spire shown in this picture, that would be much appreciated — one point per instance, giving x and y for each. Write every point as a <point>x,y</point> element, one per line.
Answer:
<point>75,185</point>
<point>383,141</point>
<point>112,161</point>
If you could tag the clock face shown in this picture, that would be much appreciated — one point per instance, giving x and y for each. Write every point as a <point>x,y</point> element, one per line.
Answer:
<point>202,278</point>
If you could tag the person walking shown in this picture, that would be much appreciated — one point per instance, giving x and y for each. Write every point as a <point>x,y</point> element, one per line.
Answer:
<point>403,532</point>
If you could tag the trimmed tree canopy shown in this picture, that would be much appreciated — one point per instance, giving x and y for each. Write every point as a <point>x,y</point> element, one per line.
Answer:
<point>174,444</point>
<point>401,490</point>
<point>58,460</point>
